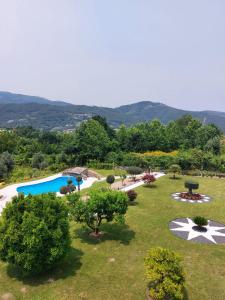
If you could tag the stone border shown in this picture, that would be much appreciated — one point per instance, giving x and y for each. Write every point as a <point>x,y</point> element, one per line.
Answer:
<point>183,228</point>
<point>205,198</point>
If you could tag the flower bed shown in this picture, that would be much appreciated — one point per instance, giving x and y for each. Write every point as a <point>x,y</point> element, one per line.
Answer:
<point>189,196</point>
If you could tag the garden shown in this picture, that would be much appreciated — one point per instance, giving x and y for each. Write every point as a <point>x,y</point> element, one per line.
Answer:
<point>114,263</point>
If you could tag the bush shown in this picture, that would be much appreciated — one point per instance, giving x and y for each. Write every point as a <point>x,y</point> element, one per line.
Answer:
<point>110,179</point>
<point>132,195</point>
<point>133,171</point>
<point>191,185</point>
<point>148,178</point>
<point>164,274</point>
<point>34,232</point>
<point>200,221</point>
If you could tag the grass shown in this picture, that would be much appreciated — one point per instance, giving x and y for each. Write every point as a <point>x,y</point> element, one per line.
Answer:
<point>112,268</point>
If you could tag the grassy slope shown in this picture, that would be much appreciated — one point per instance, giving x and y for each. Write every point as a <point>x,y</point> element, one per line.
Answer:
<point>87,272</point>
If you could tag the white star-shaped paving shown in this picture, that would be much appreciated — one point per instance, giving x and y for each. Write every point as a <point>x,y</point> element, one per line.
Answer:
<point>187,227</point>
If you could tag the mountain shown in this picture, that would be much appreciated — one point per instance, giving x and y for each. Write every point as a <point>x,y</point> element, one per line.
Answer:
<point>8,98</point>
<point>22,110</point>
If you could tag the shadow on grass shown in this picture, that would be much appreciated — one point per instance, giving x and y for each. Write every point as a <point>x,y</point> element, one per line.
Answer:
<point>133,203</point>
<point>150,186</point>
<point>176,178</point>
<point>112,232</point>
<point>185,293</point>
<point>68,266</point>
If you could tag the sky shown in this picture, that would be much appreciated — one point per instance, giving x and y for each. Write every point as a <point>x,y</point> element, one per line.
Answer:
<point>115,52</point>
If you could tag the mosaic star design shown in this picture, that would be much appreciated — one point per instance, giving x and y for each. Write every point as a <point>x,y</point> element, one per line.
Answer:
<point>185,226</point>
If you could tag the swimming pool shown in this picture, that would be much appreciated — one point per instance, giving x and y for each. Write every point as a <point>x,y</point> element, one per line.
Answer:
<point>53,185</point>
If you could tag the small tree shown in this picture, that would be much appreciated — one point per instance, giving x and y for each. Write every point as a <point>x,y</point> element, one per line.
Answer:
<point>102,205</point>
<point>175,169</point>
<point>164,274</point>
<point>133,171</point>
<point>79,180</point>
<point>110,179</point>
<point>34,232</point>
<point>191,185</point>
<point>132,195</point>
<point>148,179</point>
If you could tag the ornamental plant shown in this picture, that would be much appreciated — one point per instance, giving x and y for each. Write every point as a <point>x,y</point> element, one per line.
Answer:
<point>200,221</point>
<point>110,179</point>
<point>191,185</point>
<point>132,195</point>
<point>148,179</point>
<point>102,205</point>
<point>79,180</point>
<point>133,171</point>
<point>34,232</point>
<point>164,274</point>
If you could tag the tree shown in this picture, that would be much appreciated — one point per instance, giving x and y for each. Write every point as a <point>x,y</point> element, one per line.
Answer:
<point>102,205</point>
<point>133,171</point>
<point>148,179</point>
<point>79,180</point>
<point>7,159</point>
<point>191,185</point>
<point>132,195</point>
<point>3,169</point>
<point>34,232</point>
<point>38,161</point>
<point>110,179</point>
<point>175,169</point>
<point>164,274</point>
<point>92,141</point>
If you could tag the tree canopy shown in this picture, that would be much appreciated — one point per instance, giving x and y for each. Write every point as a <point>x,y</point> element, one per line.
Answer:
<point>34,232</point>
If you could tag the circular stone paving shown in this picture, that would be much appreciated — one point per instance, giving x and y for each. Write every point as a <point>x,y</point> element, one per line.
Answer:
<point>186,229</point>
<point>204,199</point>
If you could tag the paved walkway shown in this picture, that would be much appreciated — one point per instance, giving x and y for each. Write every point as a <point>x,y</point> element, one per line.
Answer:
<point>141,182</point>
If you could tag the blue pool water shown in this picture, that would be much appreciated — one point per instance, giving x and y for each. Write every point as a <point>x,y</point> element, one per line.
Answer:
<point>47,186</point>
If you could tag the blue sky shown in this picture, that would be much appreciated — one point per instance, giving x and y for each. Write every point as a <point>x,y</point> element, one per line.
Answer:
<point>114,52</point>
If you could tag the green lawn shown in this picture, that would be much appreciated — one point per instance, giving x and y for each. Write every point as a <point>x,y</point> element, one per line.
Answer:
<point>113,267</point>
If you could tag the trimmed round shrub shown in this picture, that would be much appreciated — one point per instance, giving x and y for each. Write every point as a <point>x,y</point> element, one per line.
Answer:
<point>132,195</point>
<point>200,221</point>
<point>64,190</point>
<point>34,232</point>
<point>164,274</point>
<point>191,185</point>
<point>110,179</point>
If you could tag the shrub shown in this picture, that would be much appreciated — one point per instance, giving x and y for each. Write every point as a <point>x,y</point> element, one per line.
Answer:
<point>110,179</point>
<point>164,274</point>
<point>34,232</point>
<point>133,171</point>
<point>200,221</point>
<point>191,185</point>
<point>148,178</point>
<point>132,195</point>
<point>64,190</point>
